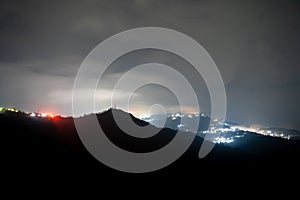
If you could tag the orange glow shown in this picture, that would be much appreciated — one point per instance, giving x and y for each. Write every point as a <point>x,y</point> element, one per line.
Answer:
<point>51,116</point>
<point>48,115</point>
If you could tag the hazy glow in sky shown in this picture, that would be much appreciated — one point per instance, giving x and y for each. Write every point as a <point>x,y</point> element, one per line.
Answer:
<point>255,44</point>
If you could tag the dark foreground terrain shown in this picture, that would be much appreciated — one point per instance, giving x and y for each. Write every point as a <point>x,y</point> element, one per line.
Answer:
<point>43,148</point>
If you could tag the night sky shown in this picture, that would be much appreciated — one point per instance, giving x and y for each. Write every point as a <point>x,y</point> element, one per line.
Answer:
<point>255,45</point>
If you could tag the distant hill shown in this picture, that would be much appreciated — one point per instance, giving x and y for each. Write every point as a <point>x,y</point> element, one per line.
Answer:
<point>231,131</point>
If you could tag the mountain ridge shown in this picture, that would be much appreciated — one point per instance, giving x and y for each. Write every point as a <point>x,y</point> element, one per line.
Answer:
<point>53,145</point>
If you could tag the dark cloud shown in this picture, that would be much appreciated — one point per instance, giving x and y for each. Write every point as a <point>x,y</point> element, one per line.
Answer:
<point>255,44</point>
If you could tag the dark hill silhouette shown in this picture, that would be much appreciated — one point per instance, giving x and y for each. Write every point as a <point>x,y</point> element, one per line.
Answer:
<point>42,146</point>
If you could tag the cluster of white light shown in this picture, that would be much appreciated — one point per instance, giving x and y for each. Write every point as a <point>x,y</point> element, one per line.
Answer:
<point>177,115</point>
<point>43,115</point>
<point>217,126</point>
<point>222,139</point>
<point>180,125</point>
<point>214,129</point>
<point>265,132</point>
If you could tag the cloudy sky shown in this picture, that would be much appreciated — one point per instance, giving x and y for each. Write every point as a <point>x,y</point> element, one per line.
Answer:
<point>255,45</point>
